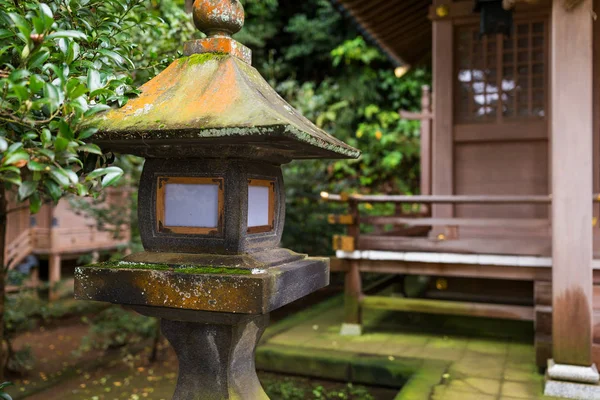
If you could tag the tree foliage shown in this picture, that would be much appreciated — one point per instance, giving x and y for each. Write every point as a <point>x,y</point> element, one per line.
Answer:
<point>63,60</point>
<point>317,61</point>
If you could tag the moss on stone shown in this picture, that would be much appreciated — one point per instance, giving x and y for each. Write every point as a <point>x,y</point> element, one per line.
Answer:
<point>178,269</point>
<point>196,59</point>
<point>130,265</point>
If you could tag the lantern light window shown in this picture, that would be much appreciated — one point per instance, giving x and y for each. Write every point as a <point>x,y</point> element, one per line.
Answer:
<point>261,205</point>
<point>190,205</point>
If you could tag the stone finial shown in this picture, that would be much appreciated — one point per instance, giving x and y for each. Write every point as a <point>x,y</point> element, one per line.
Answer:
<point>218,19</point>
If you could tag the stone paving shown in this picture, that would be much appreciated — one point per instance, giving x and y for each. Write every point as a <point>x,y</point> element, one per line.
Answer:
<point>449,356</point>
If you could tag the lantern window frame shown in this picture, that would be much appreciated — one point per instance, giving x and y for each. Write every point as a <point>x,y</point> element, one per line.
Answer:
<point>161,225</point>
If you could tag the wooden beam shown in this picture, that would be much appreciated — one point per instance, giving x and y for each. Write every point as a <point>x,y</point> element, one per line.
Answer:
<point>480,222</point>
<point>513,246</point>
<point>336,219</point>
<point>446,199</point>
<point>345,243</point>
<point>572,132</point>
<point>521,313</point>
<point>455,270</point>
<point>443,108</point>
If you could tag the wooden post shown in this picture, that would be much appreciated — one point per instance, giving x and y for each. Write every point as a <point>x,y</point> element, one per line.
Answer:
<point>596,146</point>
<point>353,283</point>
<point>353,293</point>
<point>442,141</point>
<point>572,133</point>
<point>426,141</point>
<point>54,264</point>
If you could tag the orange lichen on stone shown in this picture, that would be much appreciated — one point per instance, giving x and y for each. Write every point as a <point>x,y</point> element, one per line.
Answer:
<point>217,98</point>
<point>215,17</point>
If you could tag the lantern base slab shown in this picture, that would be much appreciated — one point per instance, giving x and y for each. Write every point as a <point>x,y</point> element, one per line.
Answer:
<point>201,287</point>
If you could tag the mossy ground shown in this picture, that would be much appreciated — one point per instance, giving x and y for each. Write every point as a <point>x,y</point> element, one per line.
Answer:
<point>426,357</point>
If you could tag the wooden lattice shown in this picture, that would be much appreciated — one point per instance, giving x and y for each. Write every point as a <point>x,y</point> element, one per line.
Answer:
<point>502,77</point>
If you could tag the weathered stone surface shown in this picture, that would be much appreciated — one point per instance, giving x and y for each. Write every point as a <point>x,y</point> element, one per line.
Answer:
<point>573,373</point>
<point>201,287</point>
<point>572,390</point>
<point>213,99</point>
<point>216,360</point>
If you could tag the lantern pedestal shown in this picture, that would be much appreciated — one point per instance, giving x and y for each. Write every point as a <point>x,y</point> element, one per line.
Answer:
<point>212,316</point>
<point>215,352</point>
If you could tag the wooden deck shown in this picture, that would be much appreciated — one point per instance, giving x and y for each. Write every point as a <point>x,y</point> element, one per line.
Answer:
<point>58,232</point>
<point>537,270</point>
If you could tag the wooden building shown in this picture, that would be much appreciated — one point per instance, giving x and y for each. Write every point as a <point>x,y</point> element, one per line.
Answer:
<point>57,233</point>
<point>510,165</point>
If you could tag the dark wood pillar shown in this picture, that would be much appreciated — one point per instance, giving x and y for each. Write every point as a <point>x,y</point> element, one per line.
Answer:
<point>572,175</point>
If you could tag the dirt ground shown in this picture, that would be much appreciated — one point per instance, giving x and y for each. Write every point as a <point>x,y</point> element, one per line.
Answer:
<point>63,372</point>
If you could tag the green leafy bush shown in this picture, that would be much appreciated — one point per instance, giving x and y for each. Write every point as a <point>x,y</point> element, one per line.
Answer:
<point>116,327</point>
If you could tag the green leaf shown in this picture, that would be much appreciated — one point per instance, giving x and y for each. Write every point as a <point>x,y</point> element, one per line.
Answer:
<point>18,74</point>
<point>5,33</point>
<point>93,79</point>
<point>86,133</point>
<point>14,157</point>
<point>51,94</point>
<point>3,145</point>
<point>38,24</point>
<point>36,166</point>
<point>61,177</point>
<point>46,137</point>
<point>53,190</point>
<point>90,148</point>
<point>35,203</point>
<point>10,168</point>
<point>22,25</point>
<point>65,130</point>
<point>61,144</point>
<point>48,16</point>
<point>103,171</point>
<point>38,59</point>
<point>6,384</point>
<point>112,177</point>
<point>21,92</point>
<point>36,83</point>
<point>26,189</point>
<point>96,109</point>
<point>78,91</point>
<point>67,34</point>
<point>15,179</point>
<point>82,190</point>
<point>116,57</point>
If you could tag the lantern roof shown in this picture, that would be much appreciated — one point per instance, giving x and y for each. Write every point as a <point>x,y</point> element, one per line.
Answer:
<point>213,102</point>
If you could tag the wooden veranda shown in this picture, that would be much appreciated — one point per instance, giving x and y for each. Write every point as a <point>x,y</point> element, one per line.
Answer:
<point>56,233</point>
<point>510,164</point>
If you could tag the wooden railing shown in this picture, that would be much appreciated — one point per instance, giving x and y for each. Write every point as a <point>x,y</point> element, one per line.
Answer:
<point>418,231</point>
<point>18,249</point>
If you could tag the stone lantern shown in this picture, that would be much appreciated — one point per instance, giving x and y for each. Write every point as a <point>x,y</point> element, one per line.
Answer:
<point>211,207</point>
